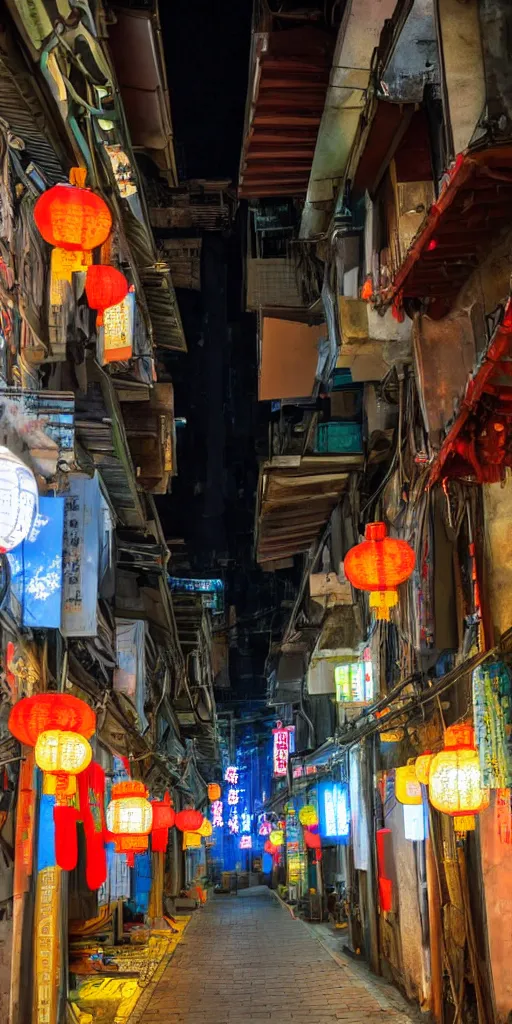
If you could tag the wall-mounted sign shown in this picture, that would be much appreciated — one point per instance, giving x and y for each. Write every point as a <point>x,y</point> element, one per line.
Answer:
<point>217,815</point>
<point>81,556</point>
<point>334,811</point>
<point>282,748</point>
<point>116,334</point>
<point>36,568</point>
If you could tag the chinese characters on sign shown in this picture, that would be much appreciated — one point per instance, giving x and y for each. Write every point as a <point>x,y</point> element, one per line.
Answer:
<point>233,796</point>
<point>117,330</point>
<point>246,842</point>
<point>81,557</point>
<point>47,944</point>
<point>246,821</point>
<point>217,816</point>
<point>233,822</point>
<point>281,749</point>
<point>231,775</point>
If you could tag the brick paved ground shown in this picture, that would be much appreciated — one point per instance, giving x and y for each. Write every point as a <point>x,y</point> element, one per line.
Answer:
<point>245,959</point>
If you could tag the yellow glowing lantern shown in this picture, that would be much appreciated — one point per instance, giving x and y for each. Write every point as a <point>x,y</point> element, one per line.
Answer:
<point>422,767</point>
<point>276,837</point>
<point>455,784</point>
<point>308,815</point>
<point>191,840</point>
<point>206,828</point>
<point>407,787</point>
<point>59,752</point>
<point>129,812</point>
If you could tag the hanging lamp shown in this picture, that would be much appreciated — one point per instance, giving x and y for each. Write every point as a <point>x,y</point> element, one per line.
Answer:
<point>72,217</point>
<point>58,727</point>
<point>422,766</point>
<point>407,787</point>
<point>379,564</point>
<point>308,815</point>
<point>104,287</point>
<point>455,782</point>
<point>130,818</point>
<point>163,820</point>
<point>312,840</point>
<point>18,500</point>
<point>188,820</point>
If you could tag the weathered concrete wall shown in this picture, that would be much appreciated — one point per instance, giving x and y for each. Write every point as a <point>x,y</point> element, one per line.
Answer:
<point>463,67</point>
<point>498,526</point>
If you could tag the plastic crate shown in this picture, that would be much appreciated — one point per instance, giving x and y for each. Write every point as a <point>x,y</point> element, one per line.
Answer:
<point>342,378</point>
<point>339,438</point>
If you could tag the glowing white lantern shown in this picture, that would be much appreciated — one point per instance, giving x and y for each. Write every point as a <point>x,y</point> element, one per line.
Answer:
<point>18,500</point>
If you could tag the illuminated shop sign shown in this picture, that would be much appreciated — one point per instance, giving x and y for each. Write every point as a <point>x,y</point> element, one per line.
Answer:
<point>283,740</point>
<point>354,683</point>
<point>334,811</point>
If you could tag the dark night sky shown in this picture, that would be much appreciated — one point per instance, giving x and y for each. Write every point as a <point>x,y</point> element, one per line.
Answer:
<point>207,47</point>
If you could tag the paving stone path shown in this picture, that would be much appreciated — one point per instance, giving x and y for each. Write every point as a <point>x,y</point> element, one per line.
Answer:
<point>245,959</point>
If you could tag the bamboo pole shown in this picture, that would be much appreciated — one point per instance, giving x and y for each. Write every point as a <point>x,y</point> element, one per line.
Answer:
<point>435,932</point>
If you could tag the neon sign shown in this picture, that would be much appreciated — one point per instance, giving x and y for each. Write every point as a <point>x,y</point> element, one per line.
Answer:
<point>246,821</point>
<point>246,842</point>
<point>265,827</point>
<point>231,775</point>
<point>281,748</point>
<point>334,811</point>
<point>233,822</point>
<point>217,815</point>
<point>233,796</point>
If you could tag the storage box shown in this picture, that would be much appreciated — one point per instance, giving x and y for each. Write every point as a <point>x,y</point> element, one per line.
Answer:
<point>339,438</point>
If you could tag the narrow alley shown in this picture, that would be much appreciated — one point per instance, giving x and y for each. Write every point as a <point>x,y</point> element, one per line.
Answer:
<point>245,958</point>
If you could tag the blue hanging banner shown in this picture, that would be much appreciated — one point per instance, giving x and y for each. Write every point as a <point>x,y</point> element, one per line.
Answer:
<point>46,836</point>
<point>142,880</point>
<point>36,568</point>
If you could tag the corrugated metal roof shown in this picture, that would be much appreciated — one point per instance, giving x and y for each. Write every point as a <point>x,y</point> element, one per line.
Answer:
<point>288,83</point>
<point>100,429</point>
<point>158,288</point>
<point>295,503</point>
<point>22,108</point>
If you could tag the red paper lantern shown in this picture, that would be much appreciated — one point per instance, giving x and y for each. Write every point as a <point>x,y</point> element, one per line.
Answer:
<point>163,813</point>
<point>312,840</point>
<point>163,820</point>
<point>73,218</point>
<point>379,564</point>
<point>269,847</point>
<point>188,820</point>
<point>32,716</point>
<point>104,287</point>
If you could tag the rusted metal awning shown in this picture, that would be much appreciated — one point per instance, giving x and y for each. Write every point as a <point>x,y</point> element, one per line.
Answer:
<point>295,504</point>
<point>458,230</point>
<point>477,445</point>
<point>289,78</point>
